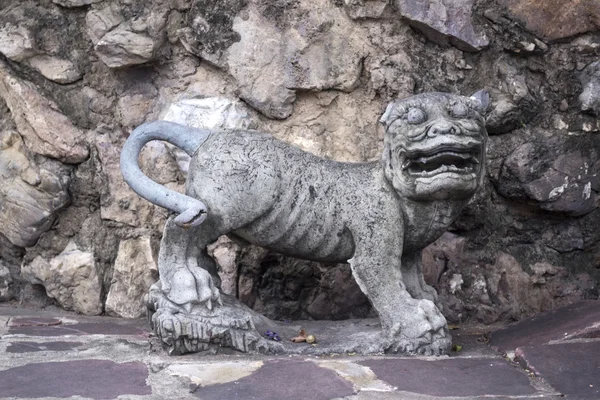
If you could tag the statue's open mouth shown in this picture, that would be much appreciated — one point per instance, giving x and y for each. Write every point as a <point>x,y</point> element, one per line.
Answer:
<point>438,161</point>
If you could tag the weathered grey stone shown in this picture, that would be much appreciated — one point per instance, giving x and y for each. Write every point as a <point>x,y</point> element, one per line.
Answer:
<point>70,278</point>
<point>512,103</point>
<point>316,52</point>
<point>567,184</point>
<point>31,194</point>
<point>590,80</point>
<point>225,253</point>
<point>122,48</point>
<point>444,22</point>
<point>100,21</point>
<point>134,106</point>
<point>45,130</point>
<point>17,42</point>
<point>271,194</point>
<point>365,9</point>
<point>55,69</point>
<point>488,292</point>
<point>135,270</point>
<point>75,3</point>
<point>5,284</point>
<point>554,21</point>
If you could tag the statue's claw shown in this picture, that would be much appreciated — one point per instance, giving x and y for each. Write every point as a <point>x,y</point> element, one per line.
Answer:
<point>191,217</point>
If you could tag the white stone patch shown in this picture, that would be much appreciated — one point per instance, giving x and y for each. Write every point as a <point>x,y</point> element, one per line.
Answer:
<point>361,377</point>
<point>55,69</point>
<point>207,374</point>
<point>456,283</point>
<point>16,42</point>
<point>558,191</point>
<point>587,190</point>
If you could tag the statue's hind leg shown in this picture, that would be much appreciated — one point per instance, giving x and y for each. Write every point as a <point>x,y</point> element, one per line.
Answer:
<point>190,314</point>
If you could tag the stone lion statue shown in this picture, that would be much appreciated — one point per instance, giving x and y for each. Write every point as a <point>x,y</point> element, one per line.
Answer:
<point>375,216</point>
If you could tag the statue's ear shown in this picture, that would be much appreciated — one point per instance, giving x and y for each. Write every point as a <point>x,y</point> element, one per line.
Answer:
<point>384,120</point>
<point>483,98</point>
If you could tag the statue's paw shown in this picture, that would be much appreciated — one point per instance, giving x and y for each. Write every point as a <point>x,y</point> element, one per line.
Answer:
<point>419,328</point>
<point>436,345</point>
<point>191,288</point>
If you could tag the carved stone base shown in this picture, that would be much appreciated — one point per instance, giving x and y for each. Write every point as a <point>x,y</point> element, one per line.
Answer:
<point>234,327</point>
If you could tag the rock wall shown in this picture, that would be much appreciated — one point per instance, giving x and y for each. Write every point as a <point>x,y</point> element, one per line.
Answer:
<point>76,76</point>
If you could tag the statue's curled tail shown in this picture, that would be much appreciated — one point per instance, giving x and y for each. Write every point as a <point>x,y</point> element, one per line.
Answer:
<point>191,211</point>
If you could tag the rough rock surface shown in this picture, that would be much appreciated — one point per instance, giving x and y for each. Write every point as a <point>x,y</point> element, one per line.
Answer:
<point>135,271</point>
<point>32,192</point>
<point>553,20</point>
<point>5,284</point>
<point>70,278</point>
<point>444,21</point>
<point>45,130</point>
<point>320,51</point>
<point>330,67</point>
<point>590,80</point>
<point>55,69</point>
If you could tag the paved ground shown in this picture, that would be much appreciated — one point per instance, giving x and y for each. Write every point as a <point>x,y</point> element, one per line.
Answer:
<point>52,354</point>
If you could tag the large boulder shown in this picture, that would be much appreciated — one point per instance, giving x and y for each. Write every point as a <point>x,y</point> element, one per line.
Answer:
<point>31,193</point>
<point>44,128</point>
<point>135,270</point>
<point>552,20</point>
<point>302,47</point>
<point>444,22</point>
<point>70,278</point>
<point>590,81</point>
<point>122,42</point>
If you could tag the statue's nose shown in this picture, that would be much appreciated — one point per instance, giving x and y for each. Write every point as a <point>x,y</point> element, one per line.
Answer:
<point>442,128</point>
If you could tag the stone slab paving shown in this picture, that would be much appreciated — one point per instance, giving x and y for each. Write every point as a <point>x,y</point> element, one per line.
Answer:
<point>282,379</point>
<point>53,355</point>
<point>572,368</point>
<point>459,377</point>
<point>579,320</point>
<point>96,379</point>
<point>29,347</point>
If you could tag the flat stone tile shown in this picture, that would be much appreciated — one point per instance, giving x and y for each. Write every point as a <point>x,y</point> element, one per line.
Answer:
<point>34,321</point>
<point>579,320</point>
<point>461,377</point>
<point>281,380</point>
<point>98,379</point>
<point>30,347</point>
<point>571,368</point>
<point>83,328</point>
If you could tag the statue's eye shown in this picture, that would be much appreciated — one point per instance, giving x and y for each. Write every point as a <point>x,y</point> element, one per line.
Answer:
<point>416,116</point>
<point>459,110</point>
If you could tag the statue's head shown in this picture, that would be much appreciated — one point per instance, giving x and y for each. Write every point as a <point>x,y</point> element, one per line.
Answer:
<point>434,146</point>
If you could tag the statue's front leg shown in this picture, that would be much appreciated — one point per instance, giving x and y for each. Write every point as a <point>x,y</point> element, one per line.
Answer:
<point>412,273</point>
<point>410,325</point>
